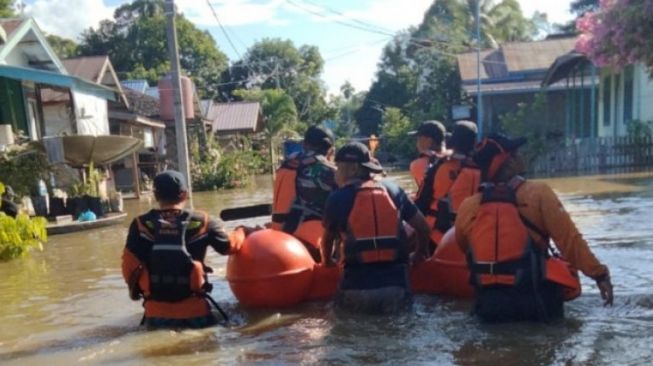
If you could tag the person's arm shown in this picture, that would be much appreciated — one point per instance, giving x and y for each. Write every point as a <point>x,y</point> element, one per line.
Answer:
<point>411,214</point>
<point>133,259</point>
<point>423,233</point>
<point>571,243</point>
<point>465,219</point>
<point>329,242</point>
<point>219,240</point>
<point>331,236</point>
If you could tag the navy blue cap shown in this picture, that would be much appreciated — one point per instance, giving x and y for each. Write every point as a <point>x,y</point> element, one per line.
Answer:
<point>169,185</point>
<point>355,152</point>
<point>432,129</point>
<point>319,136</point>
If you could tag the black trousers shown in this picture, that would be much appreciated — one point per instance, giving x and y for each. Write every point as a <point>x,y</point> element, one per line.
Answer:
<point>499,304</point>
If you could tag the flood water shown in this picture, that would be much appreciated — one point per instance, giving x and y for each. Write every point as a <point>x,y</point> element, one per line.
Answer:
<point>69,305</point>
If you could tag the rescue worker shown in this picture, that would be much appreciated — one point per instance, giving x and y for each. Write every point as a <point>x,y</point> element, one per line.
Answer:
<point>430,145</point>
<point>7,204</point>
<point>364,229</point>
<point>505,232</point>
<point>163,260</point>
<point>448,181</point>
<point>304,181</point>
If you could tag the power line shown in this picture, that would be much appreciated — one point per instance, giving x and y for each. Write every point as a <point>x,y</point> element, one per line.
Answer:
<point>224,31</point>
<point>339,13</point>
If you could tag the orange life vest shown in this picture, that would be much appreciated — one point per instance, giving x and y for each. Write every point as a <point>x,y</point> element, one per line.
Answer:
<point>285,190</point>
<point>419,166</point>
<point>502,252</point>
<point>374,228</point>
<point>447,183</point>
<point>169,274</point>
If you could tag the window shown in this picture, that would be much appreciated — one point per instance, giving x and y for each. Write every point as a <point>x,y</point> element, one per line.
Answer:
<point>628,93</point>
<point>607,88</point>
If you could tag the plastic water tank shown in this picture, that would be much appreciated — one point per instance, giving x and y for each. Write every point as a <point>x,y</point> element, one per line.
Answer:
<point>167,98</point>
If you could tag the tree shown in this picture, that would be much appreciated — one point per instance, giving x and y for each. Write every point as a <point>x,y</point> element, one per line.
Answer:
<point>6,8</point>
<point>418,71</point>
<point>618,34</point>
<point>580,7</point>
<point>345,105</point>
<point>135,40</point>
<point>278,64</point>
<point>395,131</point>
<point>63,47</point>
<point>278,109</point>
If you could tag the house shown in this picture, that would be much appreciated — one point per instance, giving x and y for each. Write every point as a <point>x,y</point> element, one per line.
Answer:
<point>244,118</point>
<point>232,120</point>
<point>621,97</point>
<point>135,114</point>
<point>513,74</point>
<point>30,72</point>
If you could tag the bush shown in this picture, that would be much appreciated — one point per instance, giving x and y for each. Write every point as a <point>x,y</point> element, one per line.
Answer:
<point>519,124</point>
<point>221,170</point>
<point>18,235</point>
<point>395,130</point>
<point>21,169</point>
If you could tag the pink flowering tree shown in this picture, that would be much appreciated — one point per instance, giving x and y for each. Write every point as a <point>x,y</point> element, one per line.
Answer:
<point>620,33</point>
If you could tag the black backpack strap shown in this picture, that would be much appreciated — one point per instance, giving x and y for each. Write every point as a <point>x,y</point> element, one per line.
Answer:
<point>425,194</point>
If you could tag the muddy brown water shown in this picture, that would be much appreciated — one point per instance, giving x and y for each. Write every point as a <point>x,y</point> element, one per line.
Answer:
<point>68,304</point>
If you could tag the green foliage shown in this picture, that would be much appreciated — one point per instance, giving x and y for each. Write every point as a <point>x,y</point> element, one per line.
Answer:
<point>63,47</point>
<point>136,42</point>
<point>519,124</point>
<point>19,235</point>
<point>395,130</point>
<point>90,186</point>
<point>278,109</point>
<point>22,168</point>
<point>6,10</point>
<point>418,71</point>
<point>220,170</point>
<point>640,129</point>
<point>278,64</point>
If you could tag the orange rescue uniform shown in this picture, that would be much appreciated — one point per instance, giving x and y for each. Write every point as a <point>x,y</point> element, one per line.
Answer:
<point>540,205</point>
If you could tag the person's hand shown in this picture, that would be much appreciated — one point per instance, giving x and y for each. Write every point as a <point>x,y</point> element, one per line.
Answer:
<point>605,287</point>
<point>417,257</point>
<point>249,230</point>
<point>327,261</point>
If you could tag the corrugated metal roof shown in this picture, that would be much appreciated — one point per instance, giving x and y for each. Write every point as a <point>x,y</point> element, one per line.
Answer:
<point>514,58</point>
<point>60,80</point>
<point>138,85</point>
<point>529,56</point>
<point>142,104</point>
<point>89,68</point>
<point>234,117</point>
<point>10,25</point>
<point>521,87</point>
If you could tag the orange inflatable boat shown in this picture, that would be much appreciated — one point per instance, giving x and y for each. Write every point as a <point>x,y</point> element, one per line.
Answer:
<point>274,269</point>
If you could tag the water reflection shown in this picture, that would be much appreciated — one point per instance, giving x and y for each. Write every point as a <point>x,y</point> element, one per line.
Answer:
<point>68,304</point>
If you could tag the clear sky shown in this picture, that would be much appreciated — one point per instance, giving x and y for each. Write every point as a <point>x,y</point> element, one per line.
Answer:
<point>350,53</point>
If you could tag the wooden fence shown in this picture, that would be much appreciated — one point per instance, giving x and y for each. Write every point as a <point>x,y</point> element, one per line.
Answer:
<point>595,156</point>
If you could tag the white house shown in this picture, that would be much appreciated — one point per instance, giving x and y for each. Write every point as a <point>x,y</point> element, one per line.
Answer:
<point>624,96</point>
<point>37,94</point>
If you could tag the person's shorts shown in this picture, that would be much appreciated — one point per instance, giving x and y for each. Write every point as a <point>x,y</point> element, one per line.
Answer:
<point>194,323</point>
<point>384,300</point>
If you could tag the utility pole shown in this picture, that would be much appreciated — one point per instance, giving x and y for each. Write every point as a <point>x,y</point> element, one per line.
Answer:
<point>479,103</point>
<point>180,115</point>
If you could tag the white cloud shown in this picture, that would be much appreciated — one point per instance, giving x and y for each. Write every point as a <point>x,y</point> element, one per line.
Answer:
<point>557,10</point>
<point>393,14</point>
<point>68,18</point>
<point>232,12</point>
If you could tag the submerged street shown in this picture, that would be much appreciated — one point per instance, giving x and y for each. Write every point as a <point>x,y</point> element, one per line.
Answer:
<point>69,304</point>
